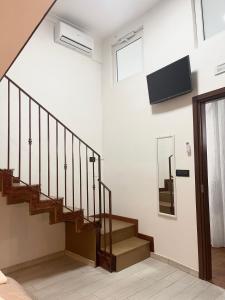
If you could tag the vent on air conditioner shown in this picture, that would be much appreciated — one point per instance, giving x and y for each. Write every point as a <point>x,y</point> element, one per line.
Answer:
<point>71,37</point>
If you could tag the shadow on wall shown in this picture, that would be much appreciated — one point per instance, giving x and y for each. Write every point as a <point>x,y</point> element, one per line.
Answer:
<point>179,102</point>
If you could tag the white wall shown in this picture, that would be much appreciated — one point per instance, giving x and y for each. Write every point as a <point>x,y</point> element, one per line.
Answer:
<point>24,237</point>
<point>66,82</point>
<point>133,126</point>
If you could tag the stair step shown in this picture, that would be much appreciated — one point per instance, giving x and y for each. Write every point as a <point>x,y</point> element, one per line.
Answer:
<point>21,185</point>
<point>121,230</point>
<point>165,196</point>
<point>165,204</point>
<point>129,252</point>
<point>166,209</point>
<point>128,245</point>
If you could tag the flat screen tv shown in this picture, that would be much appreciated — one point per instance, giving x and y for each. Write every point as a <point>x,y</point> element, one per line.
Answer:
<point>171,81</point>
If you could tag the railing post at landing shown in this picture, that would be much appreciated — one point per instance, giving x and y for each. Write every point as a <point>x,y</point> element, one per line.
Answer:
<point>30,143</point>
<point>8,158</point>
<point>19,134</point>
<point>110,228</point>
<point>99,188</point>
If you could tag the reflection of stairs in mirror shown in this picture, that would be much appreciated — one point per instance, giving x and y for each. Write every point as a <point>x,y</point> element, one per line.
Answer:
<point>165,194</point>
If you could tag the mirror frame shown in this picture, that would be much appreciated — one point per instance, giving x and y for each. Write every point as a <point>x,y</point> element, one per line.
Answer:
<point>174,169</point>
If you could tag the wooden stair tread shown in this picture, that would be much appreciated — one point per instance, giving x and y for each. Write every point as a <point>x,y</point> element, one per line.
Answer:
<point>17,184</point>
<point>116,225</point>
<point>165,204</point>
<point>127,245</point>
<point>22,186</point>
<point>90,219</point>
<point>69,210</point>
<point>165,192</point>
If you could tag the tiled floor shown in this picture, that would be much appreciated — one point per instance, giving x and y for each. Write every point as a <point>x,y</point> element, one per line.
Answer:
<point>64,279</point>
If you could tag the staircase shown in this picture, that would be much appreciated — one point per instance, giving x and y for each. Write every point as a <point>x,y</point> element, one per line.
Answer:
<point>56,172</point>
<point>127,247</point>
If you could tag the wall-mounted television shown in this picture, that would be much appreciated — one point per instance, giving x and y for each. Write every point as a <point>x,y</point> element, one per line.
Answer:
<point>171,81</point>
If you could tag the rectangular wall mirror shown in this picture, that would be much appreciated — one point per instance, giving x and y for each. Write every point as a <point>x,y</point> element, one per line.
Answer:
<point>166,175</point>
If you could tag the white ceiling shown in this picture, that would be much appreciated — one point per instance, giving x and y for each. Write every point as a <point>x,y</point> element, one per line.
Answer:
<point>101,17</point>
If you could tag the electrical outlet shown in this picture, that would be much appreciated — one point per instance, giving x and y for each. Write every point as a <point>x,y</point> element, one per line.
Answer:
<point>220,69</point>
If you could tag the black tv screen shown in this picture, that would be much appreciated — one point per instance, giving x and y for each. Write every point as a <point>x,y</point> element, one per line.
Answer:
<point>171,81</point>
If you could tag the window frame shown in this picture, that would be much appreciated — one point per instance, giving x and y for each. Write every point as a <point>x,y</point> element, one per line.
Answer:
<point>199,18</point>
<point>199,23</point>
<point>123,43</point>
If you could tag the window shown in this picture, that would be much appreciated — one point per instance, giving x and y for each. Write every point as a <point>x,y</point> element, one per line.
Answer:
<point>128,56</point>
<point>212,14</point>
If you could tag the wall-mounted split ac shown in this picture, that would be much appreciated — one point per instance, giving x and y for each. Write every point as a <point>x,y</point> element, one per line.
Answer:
<point>72,38</point>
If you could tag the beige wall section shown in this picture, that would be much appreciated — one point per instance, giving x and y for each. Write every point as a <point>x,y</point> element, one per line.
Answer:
<point>24,237</point>
<point>18,19</point>
<point>83,243</point>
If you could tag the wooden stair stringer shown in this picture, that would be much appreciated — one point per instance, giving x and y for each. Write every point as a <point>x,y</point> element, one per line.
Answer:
<point>16,193</point>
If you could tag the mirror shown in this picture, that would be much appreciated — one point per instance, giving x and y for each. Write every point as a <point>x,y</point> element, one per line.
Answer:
<point>166,175</point>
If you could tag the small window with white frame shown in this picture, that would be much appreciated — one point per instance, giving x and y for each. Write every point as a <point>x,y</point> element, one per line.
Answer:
<point>128,55</point>
<point>210,18</point>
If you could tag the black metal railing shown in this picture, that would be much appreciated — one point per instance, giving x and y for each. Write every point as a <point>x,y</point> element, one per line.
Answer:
<point>52,155</point>
<point>106,245</point>
<point>171,184</point>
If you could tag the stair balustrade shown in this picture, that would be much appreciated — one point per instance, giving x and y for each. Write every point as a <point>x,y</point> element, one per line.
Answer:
<point>44,151</point>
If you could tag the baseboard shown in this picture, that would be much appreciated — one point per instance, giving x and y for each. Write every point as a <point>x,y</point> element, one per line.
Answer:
<point>149,239</point>
<point>80,258</point>
<point>175,264</point>
<point>31,263</point>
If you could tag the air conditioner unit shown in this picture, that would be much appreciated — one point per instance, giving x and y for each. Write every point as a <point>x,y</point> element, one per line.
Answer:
<point>70,37</point>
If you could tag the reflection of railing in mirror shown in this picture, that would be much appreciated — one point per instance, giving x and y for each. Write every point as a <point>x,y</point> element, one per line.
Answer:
<point>171,186</point>
<point>166,194</point>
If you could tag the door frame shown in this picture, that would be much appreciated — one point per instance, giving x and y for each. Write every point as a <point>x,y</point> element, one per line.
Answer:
<point>201,181</point>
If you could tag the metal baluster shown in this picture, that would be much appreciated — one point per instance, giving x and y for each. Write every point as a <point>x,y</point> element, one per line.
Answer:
<point>65,167</point>
<point>48,132</point>
<point>80,166</point>
<point>73,170</point>
<point>104,218</point>
<point>87,184</point>
<point>93,181</point>
<point>57,160</point>
<point>19,134</point>
<point>39,143</point>
<point>99,187</point>
<point>8,163</point>
<point>30,141</point>
<point>110,228</point>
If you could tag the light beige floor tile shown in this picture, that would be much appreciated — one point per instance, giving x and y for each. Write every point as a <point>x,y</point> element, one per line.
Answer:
<point>211,293</point>
<point>64,279</point>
